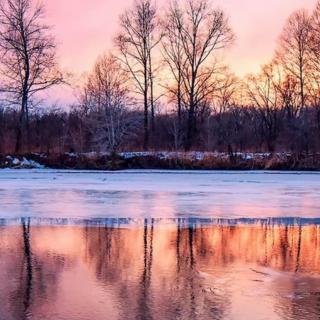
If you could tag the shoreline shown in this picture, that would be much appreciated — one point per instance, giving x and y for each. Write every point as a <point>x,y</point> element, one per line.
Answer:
<point>164,161</point>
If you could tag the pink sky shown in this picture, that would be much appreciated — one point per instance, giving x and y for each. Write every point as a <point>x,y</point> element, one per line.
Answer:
<point>85,28</point>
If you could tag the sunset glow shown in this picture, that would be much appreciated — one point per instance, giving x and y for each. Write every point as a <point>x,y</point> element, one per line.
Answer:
<point>159,159</point>
<point>85,29</point>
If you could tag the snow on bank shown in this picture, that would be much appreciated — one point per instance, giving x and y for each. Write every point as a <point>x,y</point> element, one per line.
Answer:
<point>165,160</point>
<point>192,155</point>
<point>23,163</point>
<point>199,155</point>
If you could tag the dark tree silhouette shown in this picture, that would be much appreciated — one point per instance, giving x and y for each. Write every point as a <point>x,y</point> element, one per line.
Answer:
<point>105,100</point>
<point>28,63</point>
<point>200,31</point>
<point>294,50</point>
<point>136,42</point>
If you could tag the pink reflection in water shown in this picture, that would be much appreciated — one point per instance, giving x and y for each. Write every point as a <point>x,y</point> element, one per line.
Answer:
<point>160,270</point>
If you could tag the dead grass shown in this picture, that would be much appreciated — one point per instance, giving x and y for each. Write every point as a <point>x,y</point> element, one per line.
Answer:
<point>214,161</point>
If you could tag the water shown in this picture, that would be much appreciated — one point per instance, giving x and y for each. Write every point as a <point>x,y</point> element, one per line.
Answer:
<point>76,245</point>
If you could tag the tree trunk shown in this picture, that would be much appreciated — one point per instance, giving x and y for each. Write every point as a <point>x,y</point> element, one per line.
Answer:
<point>190,129</point>
<point>151,94</point>
<point>146,122</point>
<point>19,134</point>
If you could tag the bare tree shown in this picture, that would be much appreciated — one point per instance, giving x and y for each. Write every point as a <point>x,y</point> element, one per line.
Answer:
<point>106,102</point>
<point>136,42</point>
<point>173,55</point>
<point>28,56</point>
<point>226,93</point>
<point>287,87</point>
<point>224,99</point>
<point>314,86</point>
<point>262,93</point>
<point>315,38</point>
<point>294,50</point>
<point>202,30</point>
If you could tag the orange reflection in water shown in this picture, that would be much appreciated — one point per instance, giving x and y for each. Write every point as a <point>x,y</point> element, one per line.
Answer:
<point>160,271</point>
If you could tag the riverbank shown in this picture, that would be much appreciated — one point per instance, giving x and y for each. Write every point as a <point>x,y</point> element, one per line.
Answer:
<point>164,160</point>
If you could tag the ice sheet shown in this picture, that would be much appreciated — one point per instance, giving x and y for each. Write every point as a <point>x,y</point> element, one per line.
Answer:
<point>158,194</point>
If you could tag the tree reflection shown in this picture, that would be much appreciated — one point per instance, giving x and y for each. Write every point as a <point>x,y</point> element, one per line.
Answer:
<point>25,223</point>
<point>159,270</point>
<point>144,298</point>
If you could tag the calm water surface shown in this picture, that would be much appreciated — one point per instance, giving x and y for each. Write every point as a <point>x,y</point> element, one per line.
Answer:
<point>123,246</point>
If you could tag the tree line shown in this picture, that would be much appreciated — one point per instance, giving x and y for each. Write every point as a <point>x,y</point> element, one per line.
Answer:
<point>164,85</point>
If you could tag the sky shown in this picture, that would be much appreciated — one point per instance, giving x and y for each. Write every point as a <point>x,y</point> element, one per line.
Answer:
<point>84,29</point>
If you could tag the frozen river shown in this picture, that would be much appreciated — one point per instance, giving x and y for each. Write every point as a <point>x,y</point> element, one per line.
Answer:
<point>157,245</point>
<point>158,194</point>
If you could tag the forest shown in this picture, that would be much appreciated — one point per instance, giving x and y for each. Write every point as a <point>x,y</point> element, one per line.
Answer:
<point>164,86</point>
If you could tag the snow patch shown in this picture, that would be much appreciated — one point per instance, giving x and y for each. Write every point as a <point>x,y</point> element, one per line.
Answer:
<point>15,161</point>
<point>23,163</point>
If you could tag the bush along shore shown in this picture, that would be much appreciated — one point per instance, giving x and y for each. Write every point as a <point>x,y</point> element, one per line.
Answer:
<point>164,160</point>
